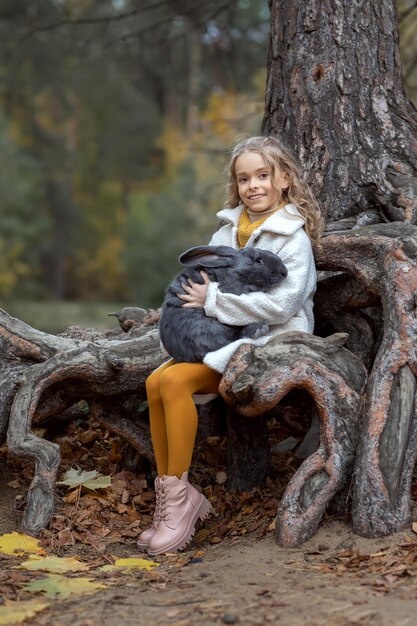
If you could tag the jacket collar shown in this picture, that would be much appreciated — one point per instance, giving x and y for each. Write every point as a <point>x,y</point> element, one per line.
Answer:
<point>286,221</point>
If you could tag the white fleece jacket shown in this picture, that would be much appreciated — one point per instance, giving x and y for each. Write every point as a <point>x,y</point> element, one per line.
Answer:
<point>288,306</point>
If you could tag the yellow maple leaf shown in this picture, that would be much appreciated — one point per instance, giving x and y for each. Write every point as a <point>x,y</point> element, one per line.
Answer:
<point>131,563</point>
<point>18,543</point>
<point>56,585</point>
<point>53,564</point>
<point>136,563</point>
<point>14,612</point>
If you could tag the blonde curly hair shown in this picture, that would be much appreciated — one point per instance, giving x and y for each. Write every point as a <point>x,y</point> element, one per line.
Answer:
<point>278,157</point>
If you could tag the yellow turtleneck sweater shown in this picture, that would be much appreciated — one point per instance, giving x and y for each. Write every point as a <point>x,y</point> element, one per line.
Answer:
<point>246,227</point>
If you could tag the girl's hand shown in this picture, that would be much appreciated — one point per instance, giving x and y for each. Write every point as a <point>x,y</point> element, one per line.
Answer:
<point>196,293</point>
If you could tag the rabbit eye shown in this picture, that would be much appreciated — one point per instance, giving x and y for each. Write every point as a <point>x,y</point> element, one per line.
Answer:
<point>259,260</point>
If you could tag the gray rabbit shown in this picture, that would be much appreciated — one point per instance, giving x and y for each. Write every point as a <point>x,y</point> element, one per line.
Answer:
<point>188,334</point>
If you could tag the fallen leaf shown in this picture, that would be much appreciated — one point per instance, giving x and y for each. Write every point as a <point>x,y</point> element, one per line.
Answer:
<point>56,585</point>
<point>55,564</point>
<point>19,543</point>
<point>91,480</point>
<point>72,497</point>
<point>125,497</point>
<point>14,484</point>
<point>14,612</point>
<point>391,579</point>
<point>154,577</point>
<point>64,538</point>
<point>202,535</point>
<point>414,527</point>
<point>136,563</point>
<point>130,533</point>
<point>221,478</point>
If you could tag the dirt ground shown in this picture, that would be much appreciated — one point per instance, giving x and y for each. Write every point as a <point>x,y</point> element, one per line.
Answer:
<point>336,579</point>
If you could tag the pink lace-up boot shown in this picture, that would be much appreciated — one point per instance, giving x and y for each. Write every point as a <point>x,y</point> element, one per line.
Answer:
<point>181,506</point>
<point>145,537</point>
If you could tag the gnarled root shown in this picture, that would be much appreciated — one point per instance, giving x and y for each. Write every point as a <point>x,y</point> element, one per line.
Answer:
<point>384,257</point>
<point>50,374</point>
<point>257,378</point>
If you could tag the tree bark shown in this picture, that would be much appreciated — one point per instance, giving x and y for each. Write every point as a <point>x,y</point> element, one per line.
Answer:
<point>248,452</point>
<point>342,304</point>
<point>335,95</point>
<point>257,379</point>
<point>384,258</point>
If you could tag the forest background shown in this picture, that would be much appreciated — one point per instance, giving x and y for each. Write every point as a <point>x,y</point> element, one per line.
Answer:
<point>116,117</point>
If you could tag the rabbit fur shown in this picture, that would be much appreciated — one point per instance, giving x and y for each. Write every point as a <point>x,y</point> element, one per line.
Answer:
<point>187,333</point>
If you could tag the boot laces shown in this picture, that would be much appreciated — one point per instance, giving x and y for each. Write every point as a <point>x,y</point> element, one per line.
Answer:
<point>159,499</point>
<point>163,505</point>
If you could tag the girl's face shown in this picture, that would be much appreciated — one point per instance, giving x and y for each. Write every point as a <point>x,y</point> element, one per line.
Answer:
<point>258,189</point>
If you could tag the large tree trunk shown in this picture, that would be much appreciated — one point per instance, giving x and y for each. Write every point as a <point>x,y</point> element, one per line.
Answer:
<point>335,95</point>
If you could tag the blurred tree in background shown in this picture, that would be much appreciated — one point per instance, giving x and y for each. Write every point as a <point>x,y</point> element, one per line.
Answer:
<point>115,120</point>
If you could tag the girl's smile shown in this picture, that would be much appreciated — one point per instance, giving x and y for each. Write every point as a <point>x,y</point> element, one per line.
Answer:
<point>258,189</point>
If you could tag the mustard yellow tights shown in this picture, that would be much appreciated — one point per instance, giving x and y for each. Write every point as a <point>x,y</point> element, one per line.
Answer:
<point>172,412</point>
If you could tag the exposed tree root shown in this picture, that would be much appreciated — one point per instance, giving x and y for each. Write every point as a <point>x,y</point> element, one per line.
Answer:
<point>383,257</point>
<point>44,375</point>
<point>257,379</point>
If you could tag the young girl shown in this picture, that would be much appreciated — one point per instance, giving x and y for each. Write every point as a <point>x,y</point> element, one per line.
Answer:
<point>268,206</point>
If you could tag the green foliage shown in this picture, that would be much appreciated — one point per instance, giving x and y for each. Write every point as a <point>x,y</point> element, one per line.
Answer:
<point>158,228</point>
<point>54,316</point>
<point>114,121</point>
<point>21,237</point>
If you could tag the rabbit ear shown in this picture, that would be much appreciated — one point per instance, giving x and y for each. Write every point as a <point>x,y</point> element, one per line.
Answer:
<point>210,256</point>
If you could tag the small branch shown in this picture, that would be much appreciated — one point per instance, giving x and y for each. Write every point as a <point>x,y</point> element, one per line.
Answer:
<point>168,19</point>
<point>88,21</point>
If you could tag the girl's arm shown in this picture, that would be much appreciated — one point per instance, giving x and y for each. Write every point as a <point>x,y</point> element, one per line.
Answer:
<point>276,306</point>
